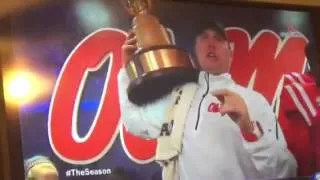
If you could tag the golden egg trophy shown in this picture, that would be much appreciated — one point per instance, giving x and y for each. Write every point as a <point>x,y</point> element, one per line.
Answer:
<point>158,65</point>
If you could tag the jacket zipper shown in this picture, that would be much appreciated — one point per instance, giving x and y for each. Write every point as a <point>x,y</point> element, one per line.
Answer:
<point>203,96</point>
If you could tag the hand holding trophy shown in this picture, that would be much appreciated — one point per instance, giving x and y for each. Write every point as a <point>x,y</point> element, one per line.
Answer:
<point>157,66</point>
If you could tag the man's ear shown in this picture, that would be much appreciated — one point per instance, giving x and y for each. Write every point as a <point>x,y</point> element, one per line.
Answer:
<point>194,58</point>
<point>194,62</point>
<point>231,47</point>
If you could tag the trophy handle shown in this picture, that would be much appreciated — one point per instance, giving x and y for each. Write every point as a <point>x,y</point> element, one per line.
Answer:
<point>134,12</point>
<point>171,36</point>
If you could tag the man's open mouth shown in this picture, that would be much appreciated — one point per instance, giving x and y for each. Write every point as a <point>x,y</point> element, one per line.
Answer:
<point>211,55</point>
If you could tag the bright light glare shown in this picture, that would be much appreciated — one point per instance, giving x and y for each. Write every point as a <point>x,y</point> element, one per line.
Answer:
<point>21,87</point>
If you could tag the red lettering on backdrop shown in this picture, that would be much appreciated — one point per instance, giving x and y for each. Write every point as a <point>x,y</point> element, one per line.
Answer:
<point>88,56</point>
<point>140,151</point>
<point>265,54</point>
<point>268,55</point>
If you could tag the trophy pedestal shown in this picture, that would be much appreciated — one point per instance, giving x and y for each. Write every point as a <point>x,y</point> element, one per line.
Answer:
<point>154,72</point>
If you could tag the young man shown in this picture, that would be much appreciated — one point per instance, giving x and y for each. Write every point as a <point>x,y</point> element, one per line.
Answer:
<point>213,146</point>
<point>299,111</point>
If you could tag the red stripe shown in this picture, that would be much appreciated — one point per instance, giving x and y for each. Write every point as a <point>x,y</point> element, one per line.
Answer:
<point>305,77</point>
<point>309,90</point>
<point>302,102</point>
<point>292,79</point>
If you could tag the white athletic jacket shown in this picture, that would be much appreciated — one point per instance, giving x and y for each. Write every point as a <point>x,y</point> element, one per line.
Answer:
<point>213,146</point>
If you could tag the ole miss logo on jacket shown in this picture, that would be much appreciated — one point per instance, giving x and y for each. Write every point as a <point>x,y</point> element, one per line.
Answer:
<point>214,107</point>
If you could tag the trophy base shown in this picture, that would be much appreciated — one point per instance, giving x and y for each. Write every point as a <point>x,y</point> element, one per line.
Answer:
<point>156,84</point>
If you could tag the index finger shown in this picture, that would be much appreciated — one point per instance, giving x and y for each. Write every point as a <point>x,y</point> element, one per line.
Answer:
<point>220,94</point>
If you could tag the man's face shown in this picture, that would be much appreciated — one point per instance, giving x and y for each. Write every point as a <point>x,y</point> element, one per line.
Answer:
<point>213,52</point>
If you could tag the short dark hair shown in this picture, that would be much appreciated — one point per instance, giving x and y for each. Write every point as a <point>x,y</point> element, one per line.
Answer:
<point>212,25</point>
